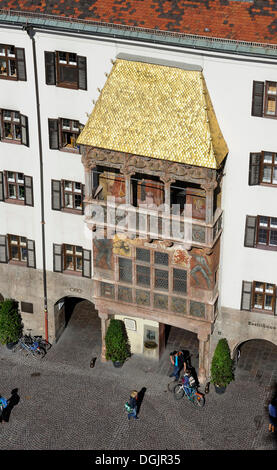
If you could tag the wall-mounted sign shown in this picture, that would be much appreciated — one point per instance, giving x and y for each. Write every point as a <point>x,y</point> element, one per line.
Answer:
<point>130,324</point>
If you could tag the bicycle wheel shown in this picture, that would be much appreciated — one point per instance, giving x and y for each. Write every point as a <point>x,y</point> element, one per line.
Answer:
<point>39,353</point>
<point>198,400</point>
<point>178,392</point>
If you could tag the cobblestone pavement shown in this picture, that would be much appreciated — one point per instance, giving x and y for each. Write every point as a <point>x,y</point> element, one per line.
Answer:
<point>65,404</point>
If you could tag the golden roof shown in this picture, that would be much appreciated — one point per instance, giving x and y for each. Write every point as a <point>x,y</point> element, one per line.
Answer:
<point>156,111</point>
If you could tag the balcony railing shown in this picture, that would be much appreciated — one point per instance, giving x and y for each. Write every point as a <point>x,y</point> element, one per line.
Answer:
<point>145,223</point>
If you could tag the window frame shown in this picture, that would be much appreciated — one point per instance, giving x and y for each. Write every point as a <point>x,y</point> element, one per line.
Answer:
<point>73,193</point>
<point>17,199</point>
<point>6,57</point>
<point>22,122</point>
<point>19,245</point>
<point>267,96</point>
<point>74,259</point>
<point>55,134</point>
<point>64,83</point>
<point>263,293</point>
<point>71,131</point>
<point>268,229</point>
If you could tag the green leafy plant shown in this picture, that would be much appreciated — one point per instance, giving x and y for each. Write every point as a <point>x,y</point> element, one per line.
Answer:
<point>117,345</point>
<point>10,322</point>
<point>222,364</point>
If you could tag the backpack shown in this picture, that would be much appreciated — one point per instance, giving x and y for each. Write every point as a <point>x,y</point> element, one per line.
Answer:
<point>128,408</point>
<point>3,402</point>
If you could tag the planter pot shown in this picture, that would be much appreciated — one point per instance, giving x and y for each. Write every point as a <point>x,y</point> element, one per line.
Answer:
<point>118,364</point>
<point>219,389</point>
<point>10,346</point>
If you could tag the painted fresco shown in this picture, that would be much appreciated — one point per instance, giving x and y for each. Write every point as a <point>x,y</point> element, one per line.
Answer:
<point>181,258</point>
<point>150,194</point>
<point>113,185</point>
<point>102,253</point>
<point>121,246</point>
<point>198,203</point>
<point>201,272</point>
<point>203,267</point>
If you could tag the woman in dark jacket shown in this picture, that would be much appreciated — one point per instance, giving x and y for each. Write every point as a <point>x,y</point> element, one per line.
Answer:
<point>134,405</point>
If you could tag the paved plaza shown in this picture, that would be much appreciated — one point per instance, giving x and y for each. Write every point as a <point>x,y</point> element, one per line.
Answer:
<point>65,404</point>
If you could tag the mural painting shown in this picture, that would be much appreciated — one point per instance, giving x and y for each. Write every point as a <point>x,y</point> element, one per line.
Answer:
<point>150,194</point>
<point>113,186</point>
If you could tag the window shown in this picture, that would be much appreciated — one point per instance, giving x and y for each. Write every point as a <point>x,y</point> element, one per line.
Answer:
<point>72,259</point>
<point>67,196</point>
<point>63,134</point>
<point>16,188</point>
<point>17,249</point>
<point>264,99</point>
<point>267,231</point>
<point>161,279</point>
<point>143,276</point>
<point>261,232</point>
<point>125,270</point>
<point>263,168</point>
<point>14,127</point>
<point>179,281</point>
<point>258,296</point>
<point>12,63</point>
<point>66,69</point>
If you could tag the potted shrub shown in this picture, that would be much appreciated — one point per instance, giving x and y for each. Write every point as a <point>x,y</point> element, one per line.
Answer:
<point>222,366</point>
<point>10,323</point>
<point>117,345</point>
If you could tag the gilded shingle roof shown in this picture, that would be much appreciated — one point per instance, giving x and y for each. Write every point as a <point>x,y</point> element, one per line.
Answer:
<point>156,111</point>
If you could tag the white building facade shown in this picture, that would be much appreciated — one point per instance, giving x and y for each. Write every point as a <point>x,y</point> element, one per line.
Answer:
<point>45,218</point>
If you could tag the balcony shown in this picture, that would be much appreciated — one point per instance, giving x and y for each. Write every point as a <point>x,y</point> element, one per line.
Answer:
<point>151,224</point>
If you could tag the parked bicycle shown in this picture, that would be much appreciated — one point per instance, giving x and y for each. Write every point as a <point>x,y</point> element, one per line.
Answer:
<point>40,340</point>
<point>197,398</point>
<point>27,344</point>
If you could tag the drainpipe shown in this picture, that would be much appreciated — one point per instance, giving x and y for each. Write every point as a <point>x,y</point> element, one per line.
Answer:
<point>31,33</point>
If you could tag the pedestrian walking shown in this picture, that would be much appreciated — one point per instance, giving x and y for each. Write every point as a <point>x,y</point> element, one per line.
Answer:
<point>11,402</point>
<point>133,403</point>
<point>3,405</point>
<point>177,359</point>
<point>272,411</point>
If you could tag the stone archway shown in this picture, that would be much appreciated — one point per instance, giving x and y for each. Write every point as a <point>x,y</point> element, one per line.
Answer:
<point>257,358</point>
<point>78,313</point>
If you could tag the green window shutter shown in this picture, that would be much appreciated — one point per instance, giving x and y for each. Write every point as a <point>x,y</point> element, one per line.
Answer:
<point>87,263</point>
<point>31,254</point>
<point>250,231</point>
<point>53,127</point>
<point>2,198</point>
<point>50,68</point>
<point>57,258</point>
<point>254,169</point>
<point>3,249</point>
<point>82,72</point>
<point>21,64</point>
<point>28,183</point>
<point>246,296</point>
<point>257,99</point>
<point>56,195</point>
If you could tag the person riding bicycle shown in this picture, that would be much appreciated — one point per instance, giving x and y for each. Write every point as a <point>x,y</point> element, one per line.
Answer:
<point>188,382</point>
